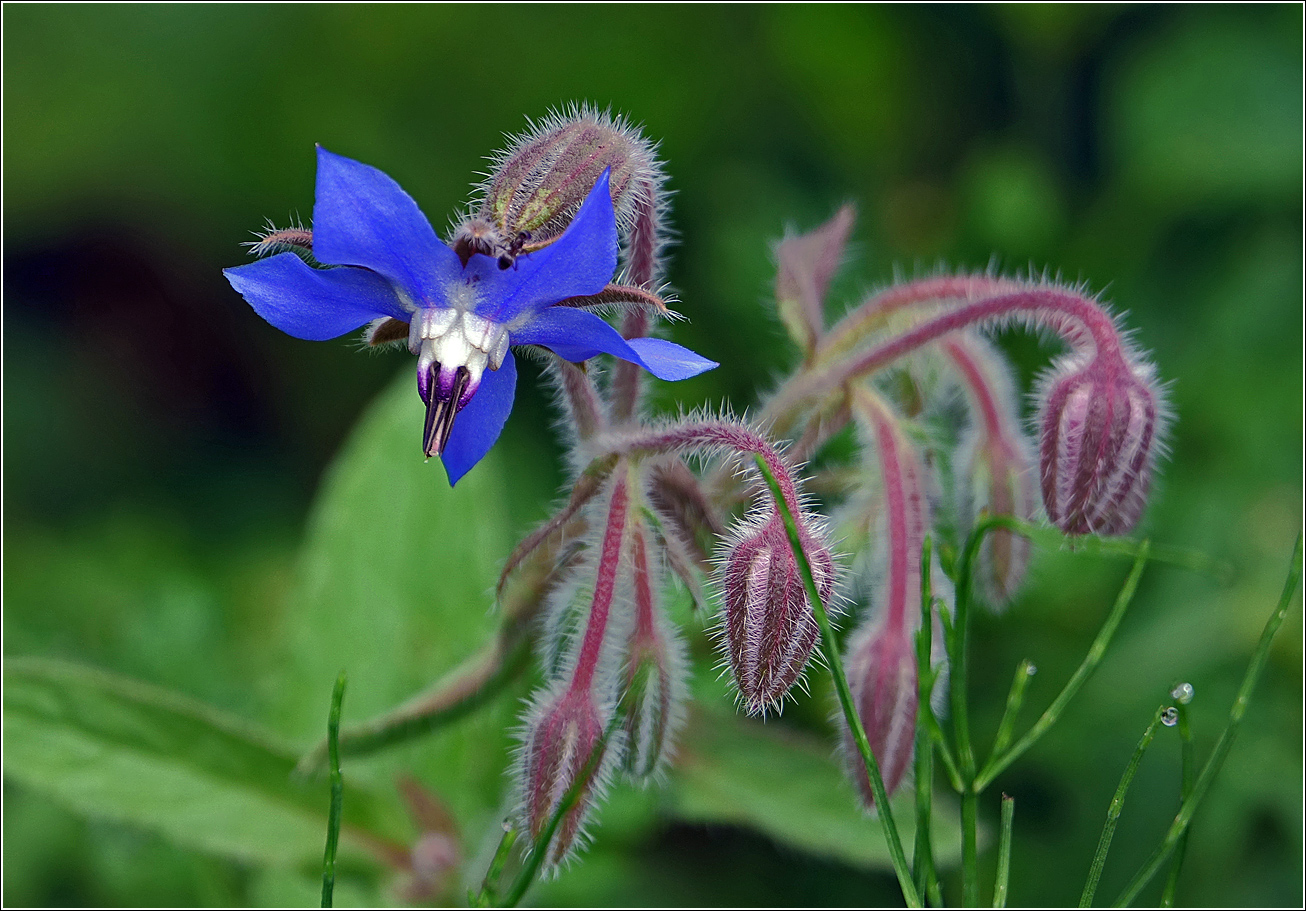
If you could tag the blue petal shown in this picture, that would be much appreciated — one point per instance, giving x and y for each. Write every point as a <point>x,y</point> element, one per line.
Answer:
<point>361,217</point>
<point>577,335</point>
<point>581,261</point>
<point>478,425</point>
<point>314,304</point>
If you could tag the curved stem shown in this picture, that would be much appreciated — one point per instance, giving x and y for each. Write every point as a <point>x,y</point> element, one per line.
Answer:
<point>884,812</point>
<point>1081,322</point>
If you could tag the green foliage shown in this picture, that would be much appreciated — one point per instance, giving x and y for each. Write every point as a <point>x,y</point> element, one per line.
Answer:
<point>112,747</point>
<point>786,785</point>
<point>163,446</point>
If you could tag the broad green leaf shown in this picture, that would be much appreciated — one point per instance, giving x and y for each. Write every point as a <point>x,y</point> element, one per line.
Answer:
<point>395,587</point>
<point>113,747</point>
<point>786,785</point>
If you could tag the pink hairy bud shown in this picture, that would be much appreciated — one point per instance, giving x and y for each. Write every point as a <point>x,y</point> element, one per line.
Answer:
<point>652,688</point>
<point>769,628</point>
<point>539,182</point>
<point>560,739</point>
<point>996,466</point>
<point>1001,480</point>
<point>806,264</point>
<point>881,667</point>
<point>1099,425</point>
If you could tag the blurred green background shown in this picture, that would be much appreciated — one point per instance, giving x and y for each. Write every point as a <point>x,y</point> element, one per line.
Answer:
<point>163,444</point>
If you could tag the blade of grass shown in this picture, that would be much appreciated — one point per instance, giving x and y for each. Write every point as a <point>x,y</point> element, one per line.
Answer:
<point>1004,852</point>
<point>1185,788</point>
<point>337,793</point>
<point>490,885</point>
<point>1114,810</point>
<point>1225,743</point>
<point>1015,698</point>
<point>998,762</point>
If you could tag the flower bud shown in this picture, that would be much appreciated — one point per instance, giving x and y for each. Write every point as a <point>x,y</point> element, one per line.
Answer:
<point>806,264</point>
<point>881,666</point>
<point>768,626</point>
<point>1100,424</point>
<point>539,182</point>
<point>998,476</point>
<point>562,734</point>
<point>995,465</point>
<point>653,684</point>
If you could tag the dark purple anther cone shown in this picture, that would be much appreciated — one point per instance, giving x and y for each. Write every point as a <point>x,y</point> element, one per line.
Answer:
<point>769,627</point>
<point>1099,428</point>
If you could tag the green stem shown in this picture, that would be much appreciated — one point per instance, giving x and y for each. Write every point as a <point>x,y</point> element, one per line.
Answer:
<point>949,764</point>
<point>1015,698</point>
<point>884,813</point>
<point>961,714</point>
<point>337,793</point>
<point>923,854</point>
<point>490,885</point>
<point>1004,852</point>
<point>999,761</point>
<point>1113,812</point>
<point>1225,743</point>
<point>1185,791</point>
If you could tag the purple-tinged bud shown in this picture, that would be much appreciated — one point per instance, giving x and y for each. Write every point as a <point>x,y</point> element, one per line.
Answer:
<point>539,182</point>
<point>768,626</point>
<point>999,479</point>
<point>1100,426</point>
<point>653,687</point>
<point>806,263</point>
<point>881,665</point>
<point>995,464</point>
<point>562,733</point>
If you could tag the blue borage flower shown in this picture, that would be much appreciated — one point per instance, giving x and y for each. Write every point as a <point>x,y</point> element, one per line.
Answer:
<point>384,261</point>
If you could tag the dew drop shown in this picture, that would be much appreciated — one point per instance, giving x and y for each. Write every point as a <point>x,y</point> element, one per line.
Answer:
<point>1030,670</point>
<point>1183,693</point>
<point>1170,717</point>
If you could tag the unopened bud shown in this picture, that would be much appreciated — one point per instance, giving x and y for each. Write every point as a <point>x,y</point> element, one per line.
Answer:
<point>646,708</point>
<point>1099,426</point>
<point>806,264</point>
<point>561,737</point>
<point>653,684</point>
<point>539,182</point>
<point>769,627</point>
<point>998,476</point>
<point>882,677</point>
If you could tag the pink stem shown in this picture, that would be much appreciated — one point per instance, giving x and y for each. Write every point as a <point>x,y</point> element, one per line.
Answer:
<point>703,433</point>
<point>604,585</point>
<point>1081,322</point>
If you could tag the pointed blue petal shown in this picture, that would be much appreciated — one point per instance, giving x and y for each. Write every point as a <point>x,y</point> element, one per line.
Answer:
<point>581,261</point>
<point>314,304</point>
<point>577,335</point>
<point>361,217</point>
<point>478,425</point>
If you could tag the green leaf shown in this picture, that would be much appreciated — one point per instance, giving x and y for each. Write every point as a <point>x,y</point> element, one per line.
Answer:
<point>395,587</point>
<point>785,784</point>
<point>113,747</point>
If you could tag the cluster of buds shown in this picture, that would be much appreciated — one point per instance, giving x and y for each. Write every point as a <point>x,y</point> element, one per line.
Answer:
<point>617,672</point>
<point>570,226</point>
<point>1100,420</point>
